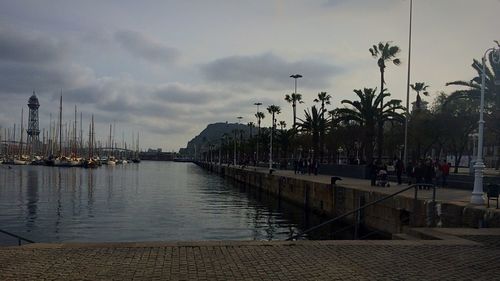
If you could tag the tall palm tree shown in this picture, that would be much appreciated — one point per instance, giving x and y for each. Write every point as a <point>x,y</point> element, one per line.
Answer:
<point>491,93</point>
<point>272,109</point>
<point>324,98</point>
<point>420,87</point>
<point>313,124</point>
<point>282,124</point>
<point>384,52</point>
<point>491,90</point>
<point>294,99</point>
<point>251,125</point>
<point>366,112</point>
<point>260,115</point>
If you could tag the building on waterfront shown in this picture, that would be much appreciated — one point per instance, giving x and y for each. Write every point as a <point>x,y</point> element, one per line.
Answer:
<point>157,155</point>
<point>33,124</point>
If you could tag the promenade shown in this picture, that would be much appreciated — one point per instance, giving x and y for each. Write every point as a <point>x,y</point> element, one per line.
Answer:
<point>472,255</point>
<point>451,195</point>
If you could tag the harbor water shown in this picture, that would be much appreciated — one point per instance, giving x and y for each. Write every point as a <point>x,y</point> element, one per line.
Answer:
<point>150,201</point>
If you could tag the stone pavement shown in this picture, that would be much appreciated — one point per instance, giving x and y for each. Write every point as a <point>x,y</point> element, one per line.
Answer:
<point>452,259</point>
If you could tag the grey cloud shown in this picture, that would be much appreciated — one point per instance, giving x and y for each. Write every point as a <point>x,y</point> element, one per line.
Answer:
<point>145,48</point>
<point>268,71</point>
<point>32,62</point>
<point>29,48</point>
<point>176,93</point>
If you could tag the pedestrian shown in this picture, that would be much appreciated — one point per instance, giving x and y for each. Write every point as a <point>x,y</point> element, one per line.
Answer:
<point>316,166</point>
<point>410,172</point>
<point>295,166</point>
<point>309,166</point>
<point>418,172</point>
<point>429,173</point>
<point>445,171</point>
<point>399,167</point>
<point>373,173</point>
<point>438,172</point>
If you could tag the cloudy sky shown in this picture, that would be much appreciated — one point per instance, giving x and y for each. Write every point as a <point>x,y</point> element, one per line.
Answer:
<point>166,69</point>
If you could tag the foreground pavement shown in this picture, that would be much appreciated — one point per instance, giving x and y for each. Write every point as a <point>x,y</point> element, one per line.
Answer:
<point>467,255</point>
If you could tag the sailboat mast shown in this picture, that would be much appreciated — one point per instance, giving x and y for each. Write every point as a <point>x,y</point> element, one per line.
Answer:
<point>60,125</point>
<point>22,128</point>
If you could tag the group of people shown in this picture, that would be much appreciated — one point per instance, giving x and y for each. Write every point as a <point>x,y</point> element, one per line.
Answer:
<point>305,165</point>
<point>428,171</point>
<point>423,171</point>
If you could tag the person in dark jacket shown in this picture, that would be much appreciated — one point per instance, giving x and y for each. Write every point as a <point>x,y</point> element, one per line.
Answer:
<point>429,172</point>
<point>418,172</point>
<point>399,167</point>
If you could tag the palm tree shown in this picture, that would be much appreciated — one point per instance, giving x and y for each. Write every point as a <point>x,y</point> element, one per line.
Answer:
<point>251,125</point>
<point>384,52</point>
<point>366,112</point>
<point>491,89</point>
<point>282,124</point>
<point>324,98</point>
<point>420,87</point>
<point>313,124</point>
<point>491,93</point>
<point>260,115</point>
<point>272,109</point>
<point>294,99</point>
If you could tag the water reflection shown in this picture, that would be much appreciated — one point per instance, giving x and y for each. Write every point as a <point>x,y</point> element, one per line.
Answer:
<point>31,197</point>
<point>152,201</point>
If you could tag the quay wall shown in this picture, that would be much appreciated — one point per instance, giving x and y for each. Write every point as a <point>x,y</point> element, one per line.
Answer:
<point>390,216</point>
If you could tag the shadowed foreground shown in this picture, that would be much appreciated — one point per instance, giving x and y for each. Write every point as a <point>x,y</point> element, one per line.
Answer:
<point>460,259</point>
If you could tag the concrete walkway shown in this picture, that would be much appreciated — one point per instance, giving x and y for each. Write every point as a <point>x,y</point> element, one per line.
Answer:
<point>455,196</point>
<point>472,255</point>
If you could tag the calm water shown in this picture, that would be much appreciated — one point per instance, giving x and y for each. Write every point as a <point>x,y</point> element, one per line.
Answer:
<point>150,201</point>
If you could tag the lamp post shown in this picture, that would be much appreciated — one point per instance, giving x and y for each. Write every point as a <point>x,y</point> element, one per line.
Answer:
<point>235,138</point>
<point>405,157</point>
<point>477,194</point>
<point>295,77</point>
<point>220,153</point>
<point>258,138</point>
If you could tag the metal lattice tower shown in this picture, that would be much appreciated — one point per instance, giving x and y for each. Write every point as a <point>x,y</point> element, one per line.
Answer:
<point>33,130</point>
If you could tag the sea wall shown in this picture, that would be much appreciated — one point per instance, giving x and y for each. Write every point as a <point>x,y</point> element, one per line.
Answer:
<point>390,216</point>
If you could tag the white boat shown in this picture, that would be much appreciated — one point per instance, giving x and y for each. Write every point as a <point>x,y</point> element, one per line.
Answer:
<point>20,162</point>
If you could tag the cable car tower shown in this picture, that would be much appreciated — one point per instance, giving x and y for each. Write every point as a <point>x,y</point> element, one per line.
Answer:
<point>33,129</point>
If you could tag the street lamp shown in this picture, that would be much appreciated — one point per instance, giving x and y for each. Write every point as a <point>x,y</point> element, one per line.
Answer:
<point>235,138</point>
<point>295,76</point>
<point>258,138</point>
<point>405,159</point>
<point>477,194</point>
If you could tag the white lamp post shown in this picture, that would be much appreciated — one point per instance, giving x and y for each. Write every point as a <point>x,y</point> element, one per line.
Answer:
<point>478,194</point>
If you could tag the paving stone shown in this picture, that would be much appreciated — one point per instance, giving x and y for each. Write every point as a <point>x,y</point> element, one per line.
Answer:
<point>239,261</point>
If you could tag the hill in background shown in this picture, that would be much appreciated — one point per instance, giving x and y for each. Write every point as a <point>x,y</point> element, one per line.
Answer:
<point>211,135</point>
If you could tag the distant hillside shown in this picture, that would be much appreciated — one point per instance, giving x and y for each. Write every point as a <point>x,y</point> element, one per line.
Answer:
<point>211,134</point>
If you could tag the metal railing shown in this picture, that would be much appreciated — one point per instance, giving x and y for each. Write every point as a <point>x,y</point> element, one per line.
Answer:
<point>415,186</point>
<point>19,238</point>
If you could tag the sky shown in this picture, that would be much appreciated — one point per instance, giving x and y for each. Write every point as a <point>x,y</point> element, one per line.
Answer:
<point>166,69</point>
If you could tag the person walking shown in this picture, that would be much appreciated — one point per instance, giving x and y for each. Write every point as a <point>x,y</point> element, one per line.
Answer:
<point>429,173</point>
<point>418,172</point>
<point>410,172</point>
<point>399,167</point>
<point>445,172</point>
